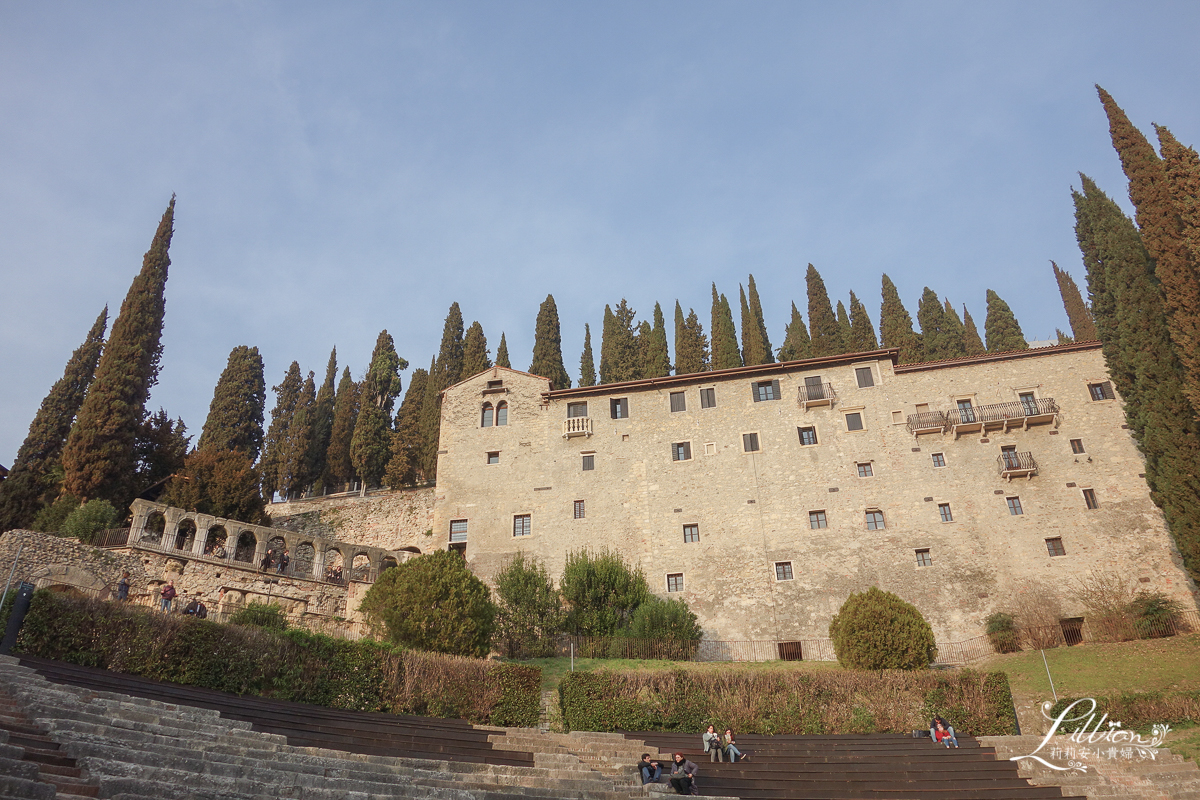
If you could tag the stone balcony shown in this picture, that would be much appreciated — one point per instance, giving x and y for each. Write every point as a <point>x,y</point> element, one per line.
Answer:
<point>577,426</point>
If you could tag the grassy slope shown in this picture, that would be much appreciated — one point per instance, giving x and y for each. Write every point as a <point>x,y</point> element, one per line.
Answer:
<point>553,669</point>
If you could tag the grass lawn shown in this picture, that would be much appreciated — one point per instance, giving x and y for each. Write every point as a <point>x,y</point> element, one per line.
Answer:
<point>553,669</point>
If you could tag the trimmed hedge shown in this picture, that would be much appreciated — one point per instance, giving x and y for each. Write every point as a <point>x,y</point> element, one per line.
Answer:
<point>1134,710</point>
<point>290,665</point>
<point>787,702</point>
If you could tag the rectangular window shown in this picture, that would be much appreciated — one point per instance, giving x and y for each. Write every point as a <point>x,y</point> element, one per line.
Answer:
<point>1077,446</point>
<point>589,463</point>
<point>816,519</point>
<point>897,417</point>
<point>1089,498</point>
<point>1028,403</point>
<point>939,459</point>
<point>765,390</point>
<point>750,442</point>
<point>865,471</point>
<point>944,512</point>
<point>924,559</point>
<point>576,410</point>
<point>681,451</point>
<point>708,398</point>
<point>1008,454</point>
<point>1055,547</point>
<point>578,509</point>
<point>495,384</point>
<point>783,570</point>
<point>678,401</point>
<point>710,448</point>
<point>965,412</point>
<point>1014,506</point>
<point>854,421</point>
<point>1101,391</point>
<point>865,378</point>
<point>807,435</point>
<point>619,407</point>
<point>691,533</point>
<point>521,525</point>
<point>675,582</point>
<point>814,389</point>
<point>458,530</point>
<point>493,458</point>
<point>875,521</point>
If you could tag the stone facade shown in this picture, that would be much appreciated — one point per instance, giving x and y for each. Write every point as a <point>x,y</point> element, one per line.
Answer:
<point>400,520</point>
<point>66,564</point>
<point>771,493</point>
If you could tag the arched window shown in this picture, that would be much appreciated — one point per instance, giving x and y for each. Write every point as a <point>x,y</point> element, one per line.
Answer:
<point>486,419</point>
<point>502,413</point>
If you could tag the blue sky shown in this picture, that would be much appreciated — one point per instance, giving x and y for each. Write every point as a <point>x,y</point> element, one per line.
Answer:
<point>342,168</point>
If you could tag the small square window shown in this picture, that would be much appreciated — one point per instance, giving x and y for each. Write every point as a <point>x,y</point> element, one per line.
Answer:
<point>944,512</point>
<point>681,451</point>
<point>578,509</point>
<point>495,384</point>
<point>939,459</point>
<point>865,471</point>
<point>619,407</point>
<point>576,410</point>
<point>816,519</point>
<point>710,448</point>
<point>783,570</point>
<point>1089,498</point>
<point>493,457</point>
<point>924,559</point>
<point>854,421</point>
<point>897,417</point>
<point>675,582</point>
<point>458,530</point>
<point>1101,391</point>
<point>865,378</point>
<point>1077,446</point>
<point>521,525</point>
<point>1014,506</point>
<point>875,521</point>
<point>807,435</point>
<point>678,401</point>
<point>765,390</point>
<point>708,398</point>
<point>691,533</point>
<point>1055,547</point>
<point>750,442</point>
<point>589,463</point>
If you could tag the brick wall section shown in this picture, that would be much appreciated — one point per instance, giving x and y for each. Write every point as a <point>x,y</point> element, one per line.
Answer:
<point>392,520</point>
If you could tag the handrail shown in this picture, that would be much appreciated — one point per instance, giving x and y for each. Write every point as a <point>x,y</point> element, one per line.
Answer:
<point>1011,462</point>
<point>1013,411</point>
<point>577,426</point>
<point>816,394</point>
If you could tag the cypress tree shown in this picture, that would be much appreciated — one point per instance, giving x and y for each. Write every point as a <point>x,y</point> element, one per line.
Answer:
<point>274,465</point>
<point>587,365</point>
<point>930,316</point>
<point>339,471</point>
<point>796,344</point>
<point>384,373</point>
<point>296,472</point>
<point>954,335</point>
<point>445,371</point>
<point>645,346</point>
<point>32,480</point>
<point>753,347</point>
<point>972,344</point>
<point>896,327</point>
<point>160,447</point>
<point>323,421</point>
<point>1001,328</point>
<point>547,347</point>
<point>658,360</point>
<point>691,345</point>
<point>1161,227</point>
<point>475,351</point>
<point>862,332</point>
<point>756,313</point>
<point>235,415</point>
<point>223,483</point>
<point>1062,337</point>
<point>98,458</point>
<point>619,346</point>
<point>371,446</point>
<point>407,446</point>
<point>502,353</point>
<point>725,352</point>
<point>822,324</point>
<point>844,326</point>
<point>1182,166</point>
<point>1083,329</point>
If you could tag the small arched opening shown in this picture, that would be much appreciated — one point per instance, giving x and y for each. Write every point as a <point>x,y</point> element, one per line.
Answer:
<point>501,413</point>
<point>156,523</point>
<point>302,559</point>
<point>361,569</point>
<point>334,566</point>
<point>387,563</point>
<point>185,534</point>
<point>214,544</point>
<point>273,560</point>
<point>246,544</point>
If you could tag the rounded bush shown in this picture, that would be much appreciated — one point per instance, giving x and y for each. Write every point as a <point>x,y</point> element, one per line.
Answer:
<point>89,519</point>
<point>878,630</point>
<point>1002,632</point>
<point>261,615</point>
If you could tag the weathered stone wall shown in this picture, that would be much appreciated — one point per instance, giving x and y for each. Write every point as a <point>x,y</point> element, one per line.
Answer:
<point>753,508</point>
<point>47,560</point>
<point>392,520</point>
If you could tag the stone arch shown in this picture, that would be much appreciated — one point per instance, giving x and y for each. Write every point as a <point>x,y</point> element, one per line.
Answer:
<point>156,523</point>
<point>275,547</point>
<point>361,567</point>
<point>387,563</point>
<point>71,580</point>
<point>214,541</point>
<point>185,534</point>
<point>302,559</point>
<point>501,413</point>
<point>334,566</point>
<point>246,543</point>
<point>415,550</point>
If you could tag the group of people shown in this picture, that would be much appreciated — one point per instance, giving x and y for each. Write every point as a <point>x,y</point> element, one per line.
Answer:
<point>215,550</point>
<point>333,574</point>
<point>721,746</point>
<point>279,562</point>
<point>167,595</point>
<point>683,771</point>
<point>942,732</point>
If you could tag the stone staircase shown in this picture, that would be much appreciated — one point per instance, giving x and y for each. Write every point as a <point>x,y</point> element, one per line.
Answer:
<point>32,765</point>
<point>1166,777</point>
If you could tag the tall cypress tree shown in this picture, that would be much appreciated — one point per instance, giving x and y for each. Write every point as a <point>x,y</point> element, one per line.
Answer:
<point>274,467</point>
<point>896,326</point>
<point>796,344</point>
<point>235,415</point>
<point>404,466</point>
<point>725,352</point>
<point>547,346</point>
<point>322,429</point>
<point>954,334</point>
<point>844,326</point>
<point>930,314</point>
<point>691,345</point>
<point>339,471</point>
<point>445,371</point>
<point>384,373</point>
<point>475,351</point>
<point>502,353</point>
<point>822,324</point>
<point>658,359</point>
<point>587,364</point>
<point>1083,329</point>
<point>297,473</point>
<point>618,346</point>
<point>31,481</point>
<point>1182,167</point>
<point>862,332</point>
<point>645,346</point>
<point>754,348</point>
<point>972,343</point>
<point>1001,328</point>
<point>371,446</point>
<point>756,313</point>
<point>98,458</point>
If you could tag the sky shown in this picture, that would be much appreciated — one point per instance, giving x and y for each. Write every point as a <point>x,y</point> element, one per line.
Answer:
<point>343,168</point>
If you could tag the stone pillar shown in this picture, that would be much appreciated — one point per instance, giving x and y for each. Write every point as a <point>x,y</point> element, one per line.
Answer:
<point>260,550</point>
<point>318,565</point>
<point>203,523</point>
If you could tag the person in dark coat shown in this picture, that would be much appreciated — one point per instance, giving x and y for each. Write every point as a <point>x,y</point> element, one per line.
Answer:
<point>123,587</point>
<point>649,770</point>
<point>683,775</point>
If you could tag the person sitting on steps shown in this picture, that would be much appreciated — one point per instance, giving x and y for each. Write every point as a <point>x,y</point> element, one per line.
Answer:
<point>649,770</point>
<point>730,747</point>
<point>944,736</point>
<point>712,744</point>
<point>949,730</point>
<point>683,775</point>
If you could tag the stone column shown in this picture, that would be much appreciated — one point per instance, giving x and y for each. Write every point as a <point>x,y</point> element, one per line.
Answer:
<point>203,524</point>
<point>318,565</point>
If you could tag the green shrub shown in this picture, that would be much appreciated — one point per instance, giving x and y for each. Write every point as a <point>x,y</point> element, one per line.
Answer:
<point>878,630</point>
<point>1002,631</point>
<point>669,626</point>
<point>89,519</point>
<point>50,519</point>
<point>261,615</point>
<point>1153,615</point>
<point>528,609</point>
<point>601,592</point>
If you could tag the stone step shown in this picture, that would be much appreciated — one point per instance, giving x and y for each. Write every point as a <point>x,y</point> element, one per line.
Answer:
<point>18,788</point>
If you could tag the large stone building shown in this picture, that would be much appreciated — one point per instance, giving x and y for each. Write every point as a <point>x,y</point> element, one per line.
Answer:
<point>765,495</point>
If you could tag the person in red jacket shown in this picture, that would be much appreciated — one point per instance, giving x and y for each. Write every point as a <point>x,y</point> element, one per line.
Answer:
<point>167,594</point>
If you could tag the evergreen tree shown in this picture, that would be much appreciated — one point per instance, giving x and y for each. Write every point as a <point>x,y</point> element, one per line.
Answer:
<point>862,332</point>
<point>223,483</point>
<point>1161,227</point>
<point>547,347</point>
<point>725,352</point>
<point>691,345</point>
<point>371,446</point>
<point>235,415</point>
<point>930,316</point>
<point>757,313</point>
<point>972,344</point>
<point>275,447</point>
<point>645,344</point>
<point>298,468</point>
<point>822,324</point>
<point>475,351</point>
<point>658,359</point>
<point>445,371</point>
<point>587,365</point>
<point>384,374</point>
<point>1001,328</point>
<point>1138,351</point>
<point>98,459</point>
<point>796,344</point>
<point>1078,314</point>
<point>954,335</point>
<point>322,428</point>
<point>895,325</point>
<point>844,326</point>
<point>618,345</point>
<point>339,471</point>
<point>32,482</point>
<point>1182,167</point>
<point>754,344</point>
<point>160,446</point>
<point>502,353</point>
<point>1062,337</point>
<point>404,466</point>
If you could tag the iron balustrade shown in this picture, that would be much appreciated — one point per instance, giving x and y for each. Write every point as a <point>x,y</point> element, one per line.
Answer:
<point>1013,463</point>
<point>927,421</point>
<point>808,395</point>
<point>1017,412</point>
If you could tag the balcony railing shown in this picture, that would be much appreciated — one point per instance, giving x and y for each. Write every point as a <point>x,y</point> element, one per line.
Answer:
<point>820,394</point>
<point>927,422</point>
<point>1016,465</point>
<point>997,416</point>
<point>577,426</point>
